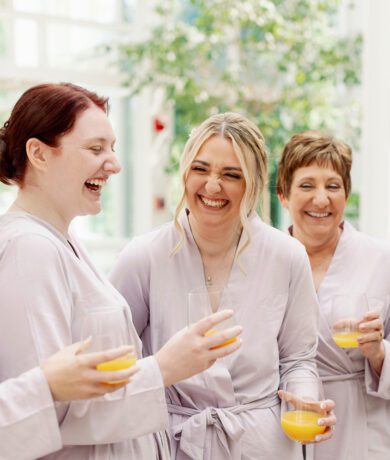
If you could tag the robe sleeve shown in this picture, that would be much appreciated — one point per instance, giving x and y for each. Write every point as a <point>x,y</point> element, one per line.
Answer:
<point>131,276</point>
<point>298,334</point>
<point>375,385</point>
<point>36,314</point>
<point>28,421</point>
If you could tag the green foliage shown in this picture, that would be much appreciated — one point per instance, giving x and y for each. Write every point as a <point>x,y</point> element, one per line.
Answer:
<point>280,62</point>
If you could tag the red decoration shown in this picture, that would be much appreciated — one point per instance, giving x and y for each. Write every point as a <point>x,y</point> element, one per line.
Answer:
<point>158,125</point>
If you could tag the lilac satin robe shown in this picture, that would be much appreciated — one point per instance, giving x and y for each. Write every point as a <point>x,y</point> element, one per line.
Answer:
<point>25,404</point>
<point>360,264</point>
<point>44,289</point>
<point>232,410</point>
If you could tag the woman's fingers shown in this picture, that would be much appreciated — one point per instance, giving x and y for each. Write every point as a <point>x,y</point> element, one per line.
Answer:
<point>114,376</point>
<point>373,325</point>
<point>376,336</point>
<point>207,323</point>
<point>219,338</point>
<point>93,359</point>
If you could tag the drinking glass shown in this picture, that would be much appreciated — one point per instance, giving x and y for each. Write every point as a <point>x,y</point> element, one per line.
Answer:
<point>346,312</point>
<point>300,408</point>
<point>109,328</point>
<point>204,301</point>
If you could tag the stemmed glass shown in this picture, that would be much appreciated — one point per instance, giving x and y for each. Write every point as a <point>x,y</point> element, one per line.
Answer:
<point>300,408</point>
<point>109,328</point>
<point>346,313</point>
<point>204,301</point>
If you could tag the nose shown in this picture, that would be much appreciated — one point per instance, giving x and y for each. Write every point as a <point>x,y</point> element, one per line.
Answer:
<point>212,185</point>
<point>112,165</point>
<point>321,198</point>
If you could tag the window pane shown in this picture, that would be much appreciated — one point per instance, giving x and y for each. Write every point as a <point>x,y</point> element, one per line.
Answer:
<point>26,43</point>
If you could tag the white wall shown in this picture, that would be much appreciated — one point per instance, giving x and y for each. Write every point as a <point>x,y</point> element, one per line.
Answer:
<point>375,177</point>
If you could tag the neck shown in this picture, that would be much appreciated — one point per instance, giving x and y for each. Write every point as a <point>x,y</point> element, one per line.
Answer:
<point>209,240</point>
<point>319,248</point>
<point>31,199</point>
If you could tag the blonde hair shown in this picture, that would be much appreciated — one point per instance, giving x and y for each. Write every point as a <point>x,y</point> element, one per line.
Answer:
<point>249,146</point>
<point>310,147</point>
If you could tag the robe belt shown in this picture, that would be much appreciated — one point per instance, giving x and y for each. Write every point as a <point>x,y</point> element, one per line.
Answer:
<point>342,377</point>
<point>191,434</point>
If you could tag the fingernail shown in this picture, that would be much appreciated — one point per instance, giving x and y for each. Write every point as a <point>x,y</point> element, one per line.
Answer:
<point>320,421</point>
<point>323,405</point>
<point>318,438</point>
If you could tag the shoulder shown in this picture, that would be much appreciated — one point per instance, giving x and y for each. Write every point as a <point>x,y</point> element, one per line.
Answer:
<point>275,241</point>
<point>162,238</point>
<point>27,238</point>
<point>361,242</point>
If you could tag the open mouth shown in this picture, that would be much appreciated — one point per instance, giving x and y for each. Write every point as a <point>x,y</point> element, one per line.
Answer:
<point>95,185</point>
<point>216,204</point>
<point>318,215</point>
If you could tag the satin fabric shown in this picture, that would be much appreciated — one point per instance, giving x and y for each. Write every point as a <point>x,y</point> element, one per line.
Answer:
<point>45,288</point>
<point>230,411</point>
<point>360,264</point>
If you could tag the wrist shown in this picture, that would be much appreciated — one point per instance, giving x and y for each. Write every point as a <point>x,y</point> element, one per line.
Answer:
<point>376,360</point>
<point>164,368</point>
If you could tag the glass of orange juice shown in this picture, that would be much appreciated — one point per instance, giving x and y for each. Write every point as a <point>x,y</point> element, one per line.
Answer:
<point>347,310</point>
<point>300,408</point>
<point>109,328</point>
<point>204,301</point>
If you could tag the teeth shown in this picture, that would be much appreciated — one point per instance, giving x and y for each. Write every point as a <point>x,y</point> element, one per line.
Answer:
<point>98,182</point>
<point>318,214</point>
<point>213,203</point>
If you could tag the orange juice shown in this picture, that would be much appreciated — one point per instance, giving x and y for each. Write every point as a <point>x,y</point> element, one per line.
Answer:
<point>223,344</point>
<point>346,339</point>
<point>301,425</point>
<point>118,364</point>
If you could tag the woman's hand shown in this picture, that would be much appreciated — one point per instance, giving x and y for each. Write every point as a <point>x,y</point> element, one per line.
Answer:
<point>72,375</point>
<point>325,408</point>
<point>190,351</point>
<point>371,340</point>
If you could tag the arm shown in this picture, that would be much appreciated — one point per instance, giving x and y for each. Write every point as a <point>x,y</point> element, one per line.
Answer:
<point>375,346</point>
<point>36,314</point>
<point>25,405</point>
<point>298,334</point>
<point>131,276</point>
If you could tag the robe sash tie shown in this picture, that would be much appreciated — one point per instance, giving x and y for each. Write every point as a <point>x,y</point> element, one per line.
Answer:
<point>343,377</point>
<point>191,434</point>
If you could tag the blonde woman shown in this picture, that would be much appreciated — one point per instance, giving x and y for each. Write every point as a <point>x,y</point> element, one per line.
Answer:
<point>230,411</point>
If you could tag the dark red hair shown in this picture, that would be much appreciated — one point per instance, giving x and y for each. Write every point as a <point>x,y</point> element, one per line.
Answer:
<point>45,112</point>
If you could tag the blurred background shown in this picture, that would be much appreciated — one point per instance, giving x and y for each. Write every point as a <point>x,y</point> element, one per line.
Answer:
<point>166,65</point>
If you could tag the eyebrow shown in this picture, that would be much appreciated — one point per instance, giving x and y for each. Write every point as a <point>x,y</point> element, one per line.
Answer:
<point>226,168</point>
<point>313,178</point>
<point>99,139</point>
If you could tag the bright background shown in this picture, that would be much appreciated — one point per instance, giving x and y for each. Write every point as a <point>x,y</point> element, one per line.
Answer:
<point>288,64</point>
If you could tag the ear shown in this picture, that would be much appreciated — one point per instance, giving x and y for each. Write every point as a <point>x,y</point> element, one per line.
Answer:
<point>37,153</point>
<point>283,200</point>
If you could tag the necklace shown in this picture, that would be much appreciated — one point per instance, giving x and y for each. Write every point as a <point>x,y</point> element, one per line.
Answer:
<point>209,281</point>
<point>218,273</point>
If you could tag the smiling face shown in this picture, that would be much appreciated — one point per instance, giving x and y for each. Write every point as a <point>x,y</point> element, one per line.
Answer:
<point>316,202</point>
<point>80,166</point>
<point>215,184</point>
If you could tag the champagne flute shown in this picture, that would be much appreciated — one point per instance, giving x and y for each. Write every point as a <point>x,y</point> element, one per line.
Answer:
<point>204,301</point>
<point>109,328</point>
<point>300,408</point>
<point>346,313</point>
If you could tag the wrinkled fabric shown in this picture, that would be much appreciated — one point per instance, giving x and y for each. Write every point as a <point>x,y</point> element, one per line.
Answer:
<point>360,264</point>
<point>273,299</point>
<point>25,404</point>
<point>44,290</point>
